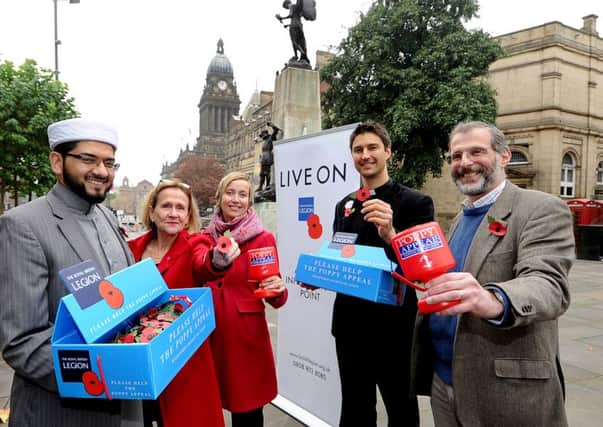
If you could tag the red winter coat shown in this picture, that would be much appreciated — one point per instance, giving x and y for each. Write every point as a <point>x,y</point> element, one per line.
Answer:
<point>241,342</point>
<point>192,398</point>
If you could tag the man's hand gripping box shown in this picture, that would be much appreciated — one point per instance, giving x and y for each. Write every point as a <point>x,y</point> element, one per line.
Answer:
<point>87,364</point>
<point>364,272</point>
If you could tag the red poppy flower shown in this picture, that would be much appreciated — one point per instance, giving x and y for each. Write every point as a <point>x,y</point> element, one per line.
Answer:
<point>92,384</point>
<point>497,228</point>
<point>363,194</point>
<point>313,219</point>
<point>348,251</point>
<point>315,231</point>
<point>127,339</point>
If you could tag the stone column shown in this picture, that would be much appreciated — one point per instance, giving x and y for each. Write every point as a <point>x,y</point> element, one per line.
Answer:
<point>296,102</point>
<point>296,111</point>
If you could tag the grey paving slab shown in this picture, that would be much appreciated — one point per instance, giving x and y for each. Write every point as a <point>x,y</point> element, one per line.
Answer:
<point>593,340</point>
<point>575,374</point>
<point>583,406</point>
<point>589,314</point>
<point>578,331</point>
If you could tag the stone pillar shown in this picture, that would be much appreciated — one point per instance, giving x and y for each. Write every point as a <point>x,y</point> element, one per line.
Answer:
<point>296,102</point>
<point>296,111</point>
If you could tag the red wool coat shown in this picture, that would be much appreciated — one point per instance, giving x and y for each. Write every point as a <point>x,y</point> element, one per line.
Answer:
<point>241,342</point>
<point>192,398</point>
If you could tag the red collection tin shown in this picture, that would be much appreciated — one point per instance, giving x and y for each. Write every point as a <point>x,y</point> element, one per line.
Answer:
<point>423,254</point>
<point>262,263</point>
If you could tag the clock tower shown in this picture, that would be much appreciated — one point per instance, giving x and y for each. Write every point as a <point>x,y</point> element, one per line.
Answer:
<point>219,102</point>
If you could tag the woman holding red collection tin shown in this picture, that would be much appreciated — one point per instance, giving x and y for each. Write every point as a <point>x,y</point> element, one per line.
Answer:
<point>241,342</point>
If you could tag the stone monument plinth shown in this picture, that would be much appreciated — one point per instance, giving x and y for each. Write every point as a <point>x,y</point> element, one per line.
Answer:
<point>296,102</point>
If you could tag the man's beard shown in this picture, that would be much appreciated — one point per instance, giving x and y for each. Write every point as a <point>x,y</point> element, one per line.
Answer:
<point>79,188</point>
<point>488,175</point>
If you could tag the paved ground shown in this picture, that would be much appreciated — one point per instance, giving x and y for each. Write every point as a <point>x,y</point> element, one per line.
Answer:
<point>581,342</point>
<point>581,347</point>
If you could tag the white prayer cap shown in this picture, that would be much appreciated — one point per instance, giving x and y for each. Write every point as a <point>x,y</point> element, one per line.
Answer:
<point>81,130</point>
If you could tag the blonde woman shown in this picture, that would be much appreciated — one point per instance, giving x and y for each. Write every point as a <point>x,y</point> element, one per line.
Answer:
<point>241,342</point>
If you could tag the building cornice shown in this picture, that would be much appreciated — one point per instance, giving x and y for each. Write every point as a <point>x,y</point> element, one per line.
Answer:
<point>526,126</point>
<point>495,68</point>
<point>544,108</point>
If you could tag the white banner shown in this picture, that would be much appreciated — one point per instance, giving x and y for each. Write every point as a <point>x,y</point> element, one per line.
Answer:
<point>312,173</point>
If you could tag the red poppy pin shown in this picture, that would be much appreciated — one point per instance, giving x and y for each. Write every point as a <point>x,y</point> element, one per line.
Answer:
<point>364,193</point>
<point>496,227</point>
<point>348,209</point>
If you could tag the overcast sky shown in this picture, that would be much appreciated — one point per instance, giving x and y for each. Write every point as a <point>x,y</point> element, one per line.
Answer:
<point>141,64</point>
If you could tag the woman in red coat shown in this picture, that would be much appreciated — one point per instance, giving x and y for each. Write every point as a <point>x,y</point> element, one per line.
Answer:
<point>185,260</point>
<point>241,342</point>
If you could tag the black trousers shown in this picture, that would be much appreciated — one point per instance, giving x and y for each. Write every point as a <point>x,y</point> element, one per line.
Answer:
<point>151,412</point>
<point>253,418</point>
<point>370,361</point>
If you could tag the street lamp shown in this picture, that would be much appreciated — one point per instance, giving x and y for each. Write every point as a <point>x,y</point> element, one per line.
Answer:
<point>57,42</point>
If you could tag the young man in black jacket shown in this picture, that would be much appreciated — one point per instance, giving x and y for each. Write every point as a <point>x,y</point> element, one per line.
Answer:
<point>373,340</point>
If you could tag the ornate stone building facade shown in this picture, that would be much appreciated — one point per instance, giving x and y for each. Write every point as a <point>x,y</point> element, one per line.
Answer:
<point>128,200</point>
<point>550,106</point>
<point>218,105</point>
<point>243,146</point>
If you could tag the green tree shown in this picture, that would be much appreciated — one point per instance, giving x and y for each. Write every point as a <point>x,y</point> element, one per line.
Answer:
<point>30,100</point>
<point>412,65</point>
<point>203,175</point>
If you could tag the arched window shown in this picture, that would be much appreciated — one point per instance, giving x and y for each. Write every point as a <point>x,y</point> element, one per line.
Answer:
<point>518,158</point>
<point>600,173</point>
<point>568,176</point>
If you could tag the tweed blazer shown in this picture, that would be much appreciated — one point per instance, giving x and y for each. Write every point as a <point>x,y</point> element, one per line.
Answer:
<point>36,241</point>
<point>511,376</point>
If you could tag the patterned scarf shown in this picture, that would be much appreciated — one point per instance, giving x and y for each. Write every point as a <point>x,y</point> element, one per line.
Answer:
<point>242,228</point>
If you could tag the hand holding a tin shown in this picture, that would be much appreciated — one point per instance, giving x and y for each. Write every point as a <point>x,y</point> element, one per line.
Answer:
<point>474,299</point>
<point>379,213</point>
<point>272,286</point>
<point>225,252</point>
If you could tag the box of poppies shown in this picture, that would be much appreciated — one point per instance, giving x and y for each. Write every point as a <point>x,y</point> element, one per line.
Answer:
<point>127,335</point>
<point>355,270</point>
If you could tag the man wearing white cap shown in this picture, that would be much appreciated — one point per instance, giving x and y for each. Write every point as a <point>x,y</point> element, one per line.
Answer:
<point>63,228</point>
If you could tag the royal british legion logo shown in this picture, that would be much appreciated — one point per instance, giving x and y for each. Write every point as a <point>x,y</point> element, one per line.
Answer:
<point>305,208</point>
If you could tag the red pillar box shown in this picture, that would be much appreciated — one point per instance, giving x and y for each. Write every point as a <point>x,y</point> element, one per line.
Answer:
<point>578,208</point>
<point>263,263</point>
<point>598,220</point>
<point>423,254</point>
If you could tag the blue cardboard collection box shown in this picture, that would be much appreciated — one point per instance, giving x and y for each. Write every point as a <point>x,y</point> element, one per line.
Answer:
<point>366,274</point>
<point>88,364</point>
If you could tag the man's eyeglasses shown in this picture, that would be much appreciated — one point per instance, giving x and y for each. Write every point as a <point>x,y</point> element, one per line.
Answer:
<point>91,160</point>
<point>169,182</point>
